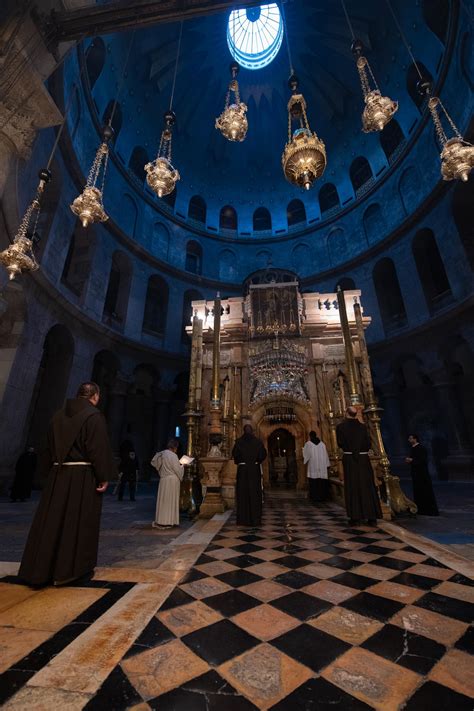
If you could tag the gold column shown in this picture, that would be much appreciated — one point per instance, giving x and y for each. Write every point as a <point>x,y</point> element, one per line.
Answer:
<point>349,352</point>
<point>396,499</point>
<point>186,502</point>
<point>215,431</point>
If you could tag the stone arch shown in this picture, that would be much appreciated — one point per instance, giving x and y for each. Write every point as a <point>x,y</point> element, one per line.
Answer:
<point>197,209</point>
<point>345,284</point>
<point>228,267</point>
<point>193,261</point>
<point>413,79</point>
<point>137,161</point>
<point>156,306</point>
<point>389,295</point>
<point>295,212</point>
<point>374,223</point>
<point>95,60</point>
<point>336,245</point>
<point>263,259</point>
<point>463,200</point>
<point>328,198</point>
<point>52,382</point>
<point>262,220</point>
<point>390,138</point>
<point>228,218</point>
<point>436,17</point>
<point>118,290</point>
<point>105,368</point>
<point>187,315</point>
<point>77,265</point>
<point>408,188</point>
<point>360,173</point>
<point>129,215</point>
<point>161,240</point>
<point>430,267</point>
<point>117,117</point>
<point>75,112</point>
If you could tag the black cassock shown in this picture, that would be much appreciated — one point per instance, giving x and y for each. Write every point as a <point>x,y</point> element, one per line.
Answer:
<point>423,493</point>
<point>24,474</point>
<point>360,493</point>
<point>64,536</point>
<point>248,454</point>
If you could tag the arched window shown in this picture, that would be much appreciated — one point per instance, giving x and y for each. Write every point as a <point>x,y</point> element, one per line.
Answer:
<point>193,262</point>
<point>95,60</point>
<point>431,269</point>
<point>138,159</point>
<point>116,120</point>
<point>328,198</point>
<point>463,201</point>
<point>188,297</point>
<point>345,284</point>
<point>228,218</point>
<point>413,79</point>
<point>197,209</point>
<point>436,16</point>
<point>295,212</point>
<point>104,372</point>
<point>374,223</point>
<point>389,296</point>
<point>360,173</point>
<point>156,306</point>
<point>118,289</point>
<point>391,137</point>
<point>78,262</point>
<point>262,220</point>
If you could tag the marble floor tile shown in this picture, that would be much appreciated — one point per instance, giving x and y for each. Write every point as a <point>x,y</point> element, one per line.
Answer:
<point>13,594</point>
<point>376,681</point>
<point>319,570</point>
<point>362,556</point>
<point>223,554</point>
<point>330,591</point>
<point>407,555</point>
<point>216,568</point>
<point>50,609</point>
<point>456,671</point>
<point>265,590</point>
<point>372,570</point>
<point>460,592</point>
<point>206,587</point>
<point>264,675</point>
<point>163,668</point>
<point>397,592</point>
<point>315,556</point>
<point>429,624</point>
<point>430,571</point>
<point>17,643</point>
<point>30,698</point>
<point>265,622</point>
<point>268,554</point>
<point>347,625</point>
<point>267,569</point>
<point>188,618</point>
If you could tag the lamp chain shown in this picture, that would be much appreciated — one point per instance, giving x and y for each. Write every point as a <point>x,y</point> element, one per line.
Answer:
<point>122,79</point>
<point>348,20</point>
<point>404,40</point>
<point>285,26</point>
<point>176,64</point>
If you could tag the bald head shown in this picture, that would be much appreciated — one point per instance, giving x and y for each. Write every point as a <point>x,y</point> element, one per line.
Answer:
<point>351,412</point>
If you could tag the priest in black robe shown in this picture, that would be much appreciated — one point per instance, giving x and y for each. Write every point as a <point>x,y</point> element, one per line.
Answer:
<point>64,536</point>
<point>360,493</point>
<point>248,453</point>
<point>423,493</point>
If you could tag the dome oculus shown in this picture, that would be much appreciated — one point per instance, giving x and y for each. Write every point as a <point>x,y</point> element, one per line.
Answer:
<point>254,35</point>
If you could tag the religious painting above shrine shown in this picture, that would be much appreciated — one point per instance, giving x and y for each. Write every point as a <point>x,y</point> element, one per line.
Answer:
<point>274,309</point>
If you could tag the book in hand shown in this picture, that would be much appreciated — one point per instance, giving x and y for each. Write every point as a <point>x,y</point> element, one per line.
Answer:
<point>185,460</point>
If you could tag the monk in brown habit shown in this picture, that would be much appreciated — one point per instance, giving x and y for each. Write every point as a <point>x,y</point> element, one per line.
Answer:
<point>362,501</point>
<point>64,536</point>
<point>248,454</point>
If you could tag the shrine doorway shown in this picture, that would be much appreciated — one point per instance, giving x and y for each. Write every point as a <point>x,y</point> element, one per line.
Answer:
<point>282,464</point>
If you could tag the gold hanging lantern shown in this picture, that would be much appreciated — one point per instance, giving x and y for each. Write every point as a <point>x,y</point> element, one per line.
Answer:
<point>161,176</point>
<point>379,110</point>
<point>304,157</point>
<point>19,256</point>
<point>88,206</point>
<point>232,122</point>
<point>457,154</point>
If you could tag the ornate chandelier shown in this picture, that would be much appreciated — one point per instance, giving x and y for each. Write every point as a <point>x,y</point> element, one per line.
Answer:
<point>379,109</point>
<point>232,122</point>
<point>160,174</point>
<point>88,206</point>
<point>457,155</point>
<point>278,370</point>
<point>304,157</point>
<point>19,256</point>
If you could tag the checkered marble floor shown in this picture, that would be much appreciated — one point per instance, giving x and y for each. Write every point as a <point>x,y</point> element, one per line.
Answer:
<point>337,617</point>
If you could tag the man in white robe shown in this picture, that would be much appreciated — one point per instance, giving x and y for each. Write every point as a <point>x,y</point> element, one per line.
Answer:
<point>171,473</point>
<point>315,456</point>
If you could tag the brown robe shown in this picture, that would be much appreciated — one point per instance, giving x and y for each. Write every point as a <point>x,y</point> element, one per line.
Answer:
<point>64,536</point>
<point>360,493</point>
<point>248,453</point>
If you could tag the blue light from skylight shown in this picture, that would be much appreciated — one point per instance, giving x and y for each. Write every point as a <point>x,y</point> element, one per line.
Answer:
<point>255,35</point>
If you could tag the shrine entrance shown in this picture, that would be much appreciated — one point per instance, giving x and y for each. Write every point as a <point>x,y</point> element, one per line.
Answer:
<point>282,465</point>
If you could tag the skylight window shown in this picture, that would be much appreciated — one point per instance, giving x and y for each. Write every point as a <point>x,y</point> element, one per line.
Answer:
<point>255,35</point>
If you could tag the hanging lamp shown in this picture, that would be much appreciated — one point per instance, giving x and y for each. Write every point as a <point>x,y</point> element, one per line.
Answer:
<point>161,176</point>
<point>304,156</point>
<point>457,154</point>
<point>232,122</point>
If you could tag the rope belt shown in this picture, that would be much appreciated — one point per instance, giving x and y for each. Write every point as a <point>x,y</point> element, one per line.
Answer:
<point>73,464</point>
<point>355,452</point>
<point>244,464</point>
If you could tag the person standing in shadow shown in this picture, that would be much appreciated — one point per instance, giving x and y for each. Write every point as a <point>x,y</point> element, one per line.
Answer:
<point>24,475</point>
<point>423,493</point>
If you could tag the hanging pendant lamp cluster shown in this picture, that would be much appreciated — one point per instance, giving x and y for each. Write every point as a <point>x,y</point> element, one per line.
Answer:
<point>232,122</point>
<point>379,109</point>
<point>89,206</point>
<point>160,174</point>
